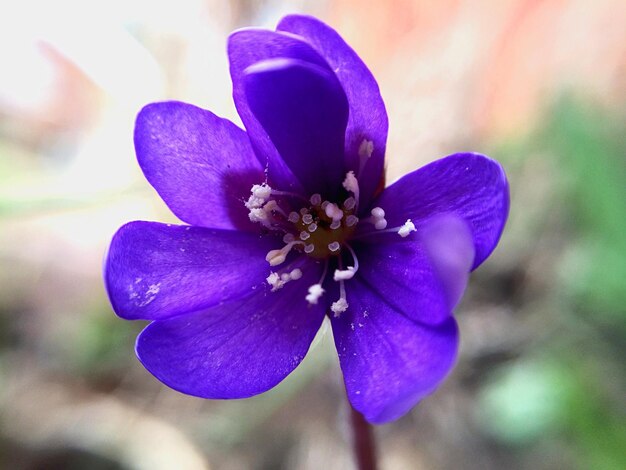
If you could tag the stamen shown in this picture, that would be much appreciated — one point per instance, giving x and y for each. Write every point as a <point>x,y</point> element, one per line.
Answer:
<point>333,211</point>
<point>260,216</point>
<point>352,220</point>
<point>380,224</point>
<point>276,257</point>
<point>262,191</point>
<point>344,275</point>
<point>378,218</point>
<point>307,219</point>
<point>289,237</point>
<point>309,248</point>
<point>293,217</point>
<point>259,194</point>
<point>272,206</point>
<point>287,193</point>
<point>335,224</point>
<point>312,228</point>
<point>304,235</point>
<point>315,292</point>
<point>334,246</point>
<point>339,307</point>
<point>277,282</point>
<point>366,149</point>
<point>350,271</point>
<point>342,304</point>
<point>378,212</point>
<point>403,230</point>
<point>295,274</point>
<point>351,184</point>
<point>407,228</point>
<point>316,199</point>
<point>349,203</point>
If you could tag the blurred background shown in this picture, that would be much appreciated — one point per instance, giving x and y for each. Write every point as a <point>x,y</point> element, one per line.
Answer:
<point>537,84</point>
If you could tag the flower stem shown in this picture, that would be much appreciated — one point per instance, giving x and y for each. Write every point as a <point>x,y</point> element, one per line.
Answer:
<point>363,441</point>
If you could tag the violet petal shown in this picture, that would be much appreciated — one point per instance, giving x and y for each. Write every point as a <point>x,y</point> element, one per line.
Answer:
<point>155,271</point>
<point>201,165</point>
<point>245,48</point>
<point>237,349</point>
<point>469,185</point>
<point>368,117</point>
<point>389,362</point>
<point>303,109</point>
<point>447,240</point>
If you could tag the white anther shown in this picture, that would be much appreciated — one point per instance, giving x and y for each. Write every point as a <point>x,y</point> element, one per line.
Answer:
<point>349,203</point>
<point>309,248</point>
<point>335,224</point>
<point>352,220</point>
<point>334,246</point>
<point>307,219</point>
<point>333,211</point>
<point>315,292</point>
<point>285,277</point>
<point>380,224</point>
<point>270,206</point>
<point>275,281</point>
<point>304,235</point>
<point>366,148</point>
<point>276,257</point>
<point>303,211</point>
<point>262,191</point>
<point>378,212</point>
<point>350,183</point>
<point>312,228</point>
<point>407,228</point>
<point>316,199</point>
<point>378,218</point>
<point>289,237</point>
<point>339,307</point>
<point>295,274</point>
<point>344,275</point>
<point>258,215</point>
<point>293,217</point>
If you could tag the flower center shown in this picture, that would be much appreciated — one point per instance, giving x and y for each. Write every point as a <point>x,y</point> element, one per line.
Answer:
<point>319,229</point>
<point>324,227</point>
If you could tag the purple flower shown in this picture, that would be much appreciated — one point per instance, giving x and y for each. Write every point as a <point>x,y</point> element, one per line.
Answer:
<point>288,223</point>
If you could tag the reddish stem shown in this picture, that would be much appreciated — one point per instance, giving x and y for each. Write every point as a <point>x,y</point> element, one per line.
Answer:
<point>364,446</point>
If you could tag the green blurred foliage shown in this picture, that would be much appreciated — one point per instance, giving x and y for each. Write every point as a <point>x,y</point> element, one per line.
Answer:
<point>568,386</point>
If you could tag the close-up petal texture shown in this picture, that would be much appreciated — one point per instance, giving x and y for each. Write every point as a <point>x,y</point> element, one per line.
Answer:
<point>368,117</point>
<point>304,110</point>
<point>201,165</point>
<point>155,271</point>
<point>470,185</point>
<point>390,361</point>
<point>237,349</point>
<point>250,46</point>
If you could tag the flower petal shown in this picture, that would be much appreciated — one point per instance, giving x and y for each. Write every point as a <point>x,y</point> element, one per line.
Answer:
<point>303,109</point>
<point>368,118</point>
<point>237,349</point>
<point>201,165</point>
<point>447,239</point>
<point>389,361</point>
<point>154,271</point>
<point>470,185</point>
<point>245,48</point>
